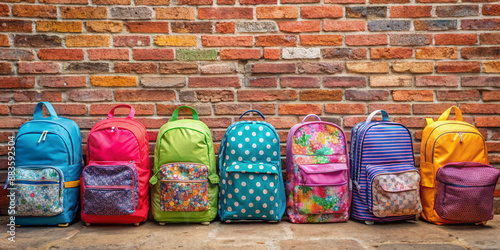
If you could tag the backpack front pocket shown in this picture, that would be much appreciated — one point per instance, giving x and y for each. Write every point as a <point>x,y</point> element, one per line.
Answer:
<point>465,191</point>
<point>110,189</point>
<point>251,191</point>
<point>322,188</point>
<point>393,190</point>
<point>39,190</point>
<point>184,187</point>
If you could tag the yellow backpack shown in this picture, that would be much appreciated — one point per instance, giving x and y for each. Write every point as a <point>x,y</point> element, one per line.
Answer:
<point>446,141</point>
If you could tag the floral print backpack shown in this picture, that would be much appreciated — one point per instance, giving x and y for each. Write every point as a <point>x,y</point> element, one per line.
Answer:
<point>317,171</point>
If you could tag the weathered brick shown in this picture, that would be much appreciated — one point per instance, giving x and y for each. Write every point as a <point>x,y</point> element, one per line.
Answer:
<point>480,52</point>
<point>457,10</point>
<point>344,81</point>
<point>320,67</point>
<point>340,108</point>
<point>61,109</point>
<point>254,27</point>
<point>480,108</point>
<point>182,41</point>
<point>147,27</point>
<point>491,95</point>
<point>321,12</point>
<point>131,13</point>
<point>227,41</point>
<point>298,1</point>
<point>481,81</point>
<point>366,12</point>
<point>484,122</point>
<point>144,95</point>
<point>15,25</point>
<point>491,67</point>
<point>410,39</point>
<point>225,13</point>
<point>131,41</point>
<point>140,109</point>
<point>226,2</point>
<point>113,81</point>
<point>139,68</point>
<point>413,95</point>
<point>299,82</point>
<point>457,95</point>
<point>87,41</point>
<point>366,40</point>
<point>44,11</point>
<point>320,95</point>
<point>366,95</point>
<point>458,67</point>
<point>436,81</point>
<point>176,13</point>
<point>153,54</point>
<point>87,67</point>
<point>301,53</point>
<point>104,26</point>
<point>262,82</point>
<point>344,53</point>
<point>84,95</point>
<point>436,53</point>
<point>434,108</point>
<point>25,82</point>
<point>37,96</point>
<point>266,95</point>
<point>343,25</point>
<point>390,108</point>
<point>5,68</point>
<point>152,2</point>
<point>196,55</point>
<point>38,41</point>
<point>435,25</point>
<point>277,12</point>
<point>195,2</point>
<point>178,68</point>
<point>168,109</point>
<point>299,109</point>
<point>204,82</point>
<point>367,67</point>
<point>240,54</point>
<point>231,108</point>
<point>411,11</point>
<point>108,54</point>
<point>412,67</point>
<point>65,1</point>
<point>481,24</point>
<point>59,26</point>
<point>224,27</point>
<point>275,40</point>
<point>215,95</point>
<point>111,2</point>
<point>391,53</point>
<point>63,81</point>
<point>389,1</point>
<point>491,9</point>
<point>219,68</point>
<point>452,39</point>
<point>163,81</point>
<point>84,12</point>
<point>490,38</point>
<point>300,26</point>
<point>389,25</point>
<point>4,40</point>
<point>345,1</point>
<point>17,55</point>
<point>4,10</point>
<point>38,68</point>
<point>391,81</point>
<point>191,27</point>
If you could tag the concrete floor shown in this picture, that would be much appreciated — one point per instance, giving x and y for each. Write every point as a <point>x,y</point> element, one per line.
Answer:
<point>284,235</point>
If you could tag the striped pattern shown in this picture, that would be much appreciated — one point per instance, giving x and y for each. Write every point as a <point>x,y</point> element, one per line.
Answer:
<point>381,143</point>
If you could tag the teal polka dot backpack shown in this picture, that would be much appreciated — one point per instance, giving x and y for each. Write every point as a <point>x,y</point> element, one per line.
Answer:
<point>251,186</point>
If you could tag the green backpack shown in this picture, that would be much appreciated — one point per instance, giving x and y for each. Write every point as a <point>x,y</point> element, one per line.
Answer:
<point>185,181</point>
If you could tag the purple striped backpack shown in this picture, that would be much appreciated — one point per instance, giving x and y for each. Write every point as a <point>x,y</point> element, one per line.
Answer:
<point>385,180</point>
<point>317,168</point>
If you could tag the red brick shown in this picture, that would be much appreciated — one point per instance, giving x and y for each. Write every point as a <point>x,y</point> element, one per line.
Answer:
<point>299,82</point>
<point>139,68</point>
<point>458,67</point>
<point>60,54</point>
<point>436,81</point>
<point>4,40</point>
<point>144,95</point>
<point>321,12</point>
<point>411,122</point>
<point>224,27</point>
<point>255,2</point>
<point>366,40</point>
<point>61,109</point>
<point>147,27</point>
<point>204,82</point>
<point>108,54</point>
<point>315,40</point>
<point>84,12</point>
<point>491,9</point>
<point>4,10</point>
<point>131,41</point>
<point>320,95</point>
<point>481,24</point>
<point>300,26</point>
<point>490,38</point>
<point>491,95</point>
<point>231,108</point>
<point>111,2</point>
<point>195,2</point>
<point>44,11</point>
<point>214,95</point>
<point>343,25</point>
<point>153,54</point>
<point>275,40</point>
<point>262,82</point>
<point>272,54</point>
<point>63,81</point>
<point>266,95</point>
<point>273,68</point>
<point>457,95</point>
<point>344,53</point>
<point>344,81</point>
<point>481,81</point>
<point>226,2</point>
<point>484,122</point>
<point>15,25</point>
<point>480,52</point>
<point>345,1</point>
<point>480,108</point>
<point>411,11</point>
<point>91,95</point>
<point>265,108</point>
<point>351,108</point>
<point>391,53</point>
<point>225,13</point>
<point>277,12</point>
<point>5,68</point>
<point>430,109</point>
<point>413,95</point>
<point>366,95</point>
<point>299,109</point>
<point>240,54</point>
<point>458,39</point>
<point>191,27</point>
<point>17,55</point>
<point>152,2</point>
<point>390,108</point>
<point>227,41</point>
<point>38,68</point>
<point>65,1</point>
<point>12,122</point>
<point>436,53</point>
<point>140,109</point>
<point>36,96</point>
<point>168,109</point>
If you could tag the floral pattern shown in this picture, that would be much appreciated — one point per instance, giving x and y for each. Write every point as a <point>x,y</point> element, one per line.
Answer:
<point>184,187</point>
<point>38,192</point>
<point>318,139</point>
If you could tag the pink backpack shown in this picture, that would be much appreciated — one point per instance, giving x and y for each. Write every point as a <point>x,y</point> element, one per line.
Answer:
<point>114,184</point>
<point>317,168</point>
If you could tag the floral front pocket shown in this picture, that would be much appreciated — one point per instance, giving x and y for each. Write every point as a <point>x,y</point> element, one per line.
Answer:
<point>184,187</point>
<point>39,191</point>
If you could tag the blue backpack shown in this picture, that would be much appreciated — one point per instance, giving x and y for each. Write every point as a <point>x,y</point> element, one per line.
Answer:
<point>48,165</point>
<point>251,186</point>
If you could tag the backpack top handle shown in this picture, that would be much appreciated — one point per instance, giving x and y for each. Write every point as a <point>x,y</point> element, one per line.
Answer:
<point>130,115</point>
<point>38,114</point>
<point>310,115</point>
<point>255,111</point>
<point>385,116</point>
<point>176,113</point>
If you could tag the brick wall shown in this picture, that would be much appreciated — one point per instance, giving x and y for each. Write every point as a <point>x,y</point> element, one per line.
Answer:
<point>340,59</point>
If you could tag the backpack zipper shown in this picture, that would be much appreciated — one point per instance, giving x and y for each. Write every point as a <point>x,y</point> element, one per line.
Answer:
<point>454,132</point>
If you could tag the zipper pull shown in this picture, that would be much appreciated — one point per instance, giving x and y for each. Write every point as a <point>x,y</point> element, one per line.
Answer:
<point>154,178</point>
<point>41,136</point>
<point>461,137</point>
<point>45,136</point>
